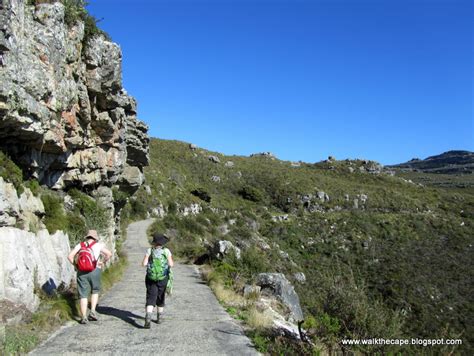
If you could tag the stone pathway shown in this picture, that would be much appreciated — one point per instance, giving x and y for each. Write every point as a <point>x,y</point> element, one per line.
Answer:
<point>194,322</point>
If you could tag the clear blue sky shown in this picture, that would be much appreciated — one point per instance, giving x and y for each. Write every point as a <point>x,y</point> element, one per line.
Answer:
<point>386,80</point>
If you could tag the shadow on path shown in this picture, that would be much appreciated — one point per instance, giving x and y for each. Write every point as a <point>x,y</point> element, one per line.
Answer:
<point>126,316</point>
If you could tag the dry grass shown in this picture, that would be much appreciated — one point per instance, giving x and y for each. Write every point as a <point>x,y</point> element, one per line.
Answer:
<point>227,296</point>
<point>258,320</point>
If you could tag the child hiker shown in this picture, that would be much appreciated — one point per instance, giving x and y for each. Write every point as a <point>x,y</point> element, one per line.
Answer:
<point>158,260</point>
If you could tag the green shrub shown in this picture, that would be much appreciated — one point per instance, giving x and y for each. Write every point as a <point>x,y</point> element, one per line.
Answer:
<point>55,216</point>
<point>9,171</point>
<point>120,197</point>
<point>94,214</point>
<point>138,209</point>
<point>201,194</point>
<point>251,193</point>
<point>76,227</point>
<point>34,186</point>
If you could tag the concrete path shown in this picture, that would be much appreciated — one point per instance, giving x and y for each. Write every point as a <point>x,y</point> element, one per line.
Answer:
<point>194,322</point>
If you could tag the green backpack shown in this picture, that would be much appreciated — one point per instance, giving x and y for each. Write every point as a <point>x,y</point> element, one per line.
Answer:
<point>158,268</point>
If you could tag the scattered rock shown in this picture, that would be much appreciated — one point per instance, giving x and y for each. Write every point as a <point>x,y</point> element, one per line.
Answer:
<point>216,179</point>
<point>264,154</point>
<point>224,247</point>
<point>223,229</point>
<point>148,189</point>
<point>229,164</point>
<point>322,196</point>
<point>300,277</point>
<point>356,203</point>
<point>214,159</point>
<point>193,209</point>
<point>158,211</point>
<point>279,218</point>
<point>263,245</point>
<point>193,147</point>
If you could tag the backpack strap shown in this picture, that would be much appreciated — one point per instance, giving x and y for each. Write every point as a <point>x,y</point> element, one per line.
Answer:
<point>90,246</point>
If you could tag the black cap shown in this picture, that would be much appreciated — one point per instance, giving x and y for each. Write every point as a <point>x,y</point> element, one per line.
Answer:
<point>159,239</point>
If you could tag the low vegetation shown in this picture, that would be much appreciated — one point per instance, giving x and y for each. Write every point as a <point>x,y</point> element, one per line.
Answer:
<point>383,257</point>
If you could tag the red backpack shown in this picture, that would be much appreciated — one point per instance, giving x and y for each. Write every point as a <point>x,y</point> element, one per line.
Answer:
<point>86,261</point>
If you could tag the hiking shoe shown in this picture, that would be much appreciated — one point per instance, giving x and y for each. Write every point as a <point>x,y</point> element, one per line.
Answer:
<point>93,316</point>
<point>147,321</point>
<point>84,321</point>
<point>159,318</point>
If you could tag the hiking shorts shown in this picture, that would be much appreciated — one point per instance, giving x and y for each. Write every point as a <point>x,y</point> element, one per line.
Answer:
<point>155,292</point>
<point>88,282</point>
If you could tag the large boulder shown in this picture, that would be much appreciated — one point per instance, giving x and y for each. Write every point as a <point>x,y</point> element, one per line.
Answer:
<point>29,261</point>
<point>276,284</point>
<point>224,247</point>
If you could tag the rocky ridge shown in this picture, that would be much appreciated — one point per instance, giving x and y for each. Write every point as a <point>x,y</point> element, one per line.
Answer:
<point>451,162</point>
<point>66,120</point>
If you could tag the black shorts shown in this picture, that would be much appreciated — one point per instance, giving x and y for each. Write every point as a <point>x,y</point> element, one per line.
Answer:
<point>155,292</point>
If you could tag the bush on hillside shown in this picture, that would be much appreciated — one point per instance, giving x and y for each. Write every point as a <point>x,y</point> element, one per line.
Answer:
<point>251,193</point>
<point>201,194</point>
<point>9,171</point>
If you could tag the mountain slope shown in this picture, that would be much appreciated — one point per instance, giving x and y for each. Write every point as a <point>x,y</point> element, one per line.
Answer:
<point>381,255</point>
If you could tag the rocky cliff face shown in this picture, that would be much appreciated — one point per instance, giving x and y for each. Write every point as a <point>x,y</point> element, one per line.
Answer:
<point>66,120</point>
<point>64,115</point>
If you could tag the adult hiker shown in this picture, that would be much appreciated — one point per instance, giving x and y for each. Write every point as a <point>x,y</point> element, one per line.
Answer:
<point>89,257</point>
<point>158,260</point>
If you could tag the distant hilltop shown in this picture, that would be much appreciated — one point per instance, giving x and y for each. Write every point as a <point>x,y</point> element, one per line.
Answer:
<point>450,162</point>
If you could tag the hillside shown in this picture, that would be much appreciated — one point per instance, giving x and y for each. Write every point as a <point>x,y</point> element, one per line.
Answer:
<point>451,162</point>
<point>381,256</point>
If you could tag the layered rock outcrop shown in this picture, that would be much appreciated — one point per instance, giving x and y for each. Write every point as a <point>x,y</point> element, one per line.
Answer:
<point>66,120</point>
<point>64,115</point>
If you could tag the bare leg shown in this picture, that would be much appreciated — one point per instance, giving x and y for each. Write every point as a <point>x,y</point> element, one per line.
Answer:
<point>94,300</point>
<point>149,308</point>
<point>83,306</point>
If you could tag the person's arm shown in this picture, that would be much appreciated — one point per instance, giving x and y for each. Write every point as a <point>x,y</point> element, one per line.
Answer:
<point>170,259</point>
<point>72,254</point>
<point>145,259</point>
<point>106,253</point>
